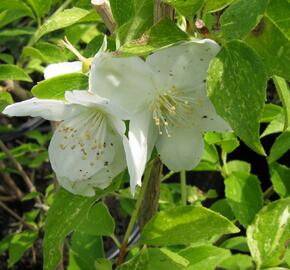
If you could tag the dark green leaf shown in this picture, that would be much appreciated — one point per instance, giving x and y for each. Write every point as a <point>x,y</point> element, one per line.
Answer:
<point>238,243</point>
<point>280,178</point>
<point>280,147</point>
<point>241,17</point>
<point>270,112</point>
<point>186,225</point>
<point>244,195</point>
<point>222,206</point>
<point>40,7</point>
<point>214,5</point>
<point>54,88</point>
<point>236,85</point>
<point>268,236</point>
<point>12,72</point>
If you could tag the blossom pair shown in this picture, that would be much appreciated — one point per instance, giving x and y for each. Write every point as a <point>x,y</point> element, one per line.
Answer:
<point>164,97</point>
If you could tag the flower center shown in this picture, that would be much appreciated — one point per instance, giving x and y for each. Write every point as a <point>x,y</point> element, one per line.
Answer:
<point>173,108</point>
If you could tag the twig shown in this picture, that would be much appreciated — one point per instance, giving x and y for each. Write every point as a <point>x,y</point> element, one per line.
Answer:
<point>104,10</point>
<point>162,10</point>
<point>8,198</point>
<point>16,216</point>
<point>183,187</point>
<point>10,182</point>
<point>167,176</point>
<point>135,214</point>
<point>268,193</point>
<point>19,168</point>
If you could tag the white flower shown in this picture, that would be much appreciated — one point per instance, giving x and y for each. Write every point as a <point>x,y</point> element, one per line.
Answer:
<point>86,150</point>
<point>166,96</point>
<point>62,68</point>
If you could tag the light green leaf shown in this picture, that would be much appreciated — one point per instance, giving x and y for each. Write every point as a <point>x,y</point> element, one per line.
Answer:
<point>20,242</point>
<point>16,5</point>
<point>238,243</point>
<point>241,17</point>
<point>270,112</point>
<point>17,32</point>
<point>186,8</point>
<point>280,179</point>
<point>98,221</point>
<point>276,125</point>
<point>269,234</point>
<point>162,34</point>
<point>237,262</point>
<point>204,257</point>
<point>31,195</point>
<point>274,52</point>
<point>227,141</point>
<point>123,10</point>
<point>280,147</point>
<point>7,58</point>
<point>61,20</point>
<point>284,94</point>
<point>244,195</point>
<point>54,88</point>
<point>238,166</point>
<point>236,85</point>
<point>5,99</point>
<point>186,225</point>
<point>66,213</point>
<point>84,251</point>
<point>214,5</point>
<point>139,262</point>
<point>10,15</point>
<point>12,72</point>
<point>103,264</point>
<point>139,23</point>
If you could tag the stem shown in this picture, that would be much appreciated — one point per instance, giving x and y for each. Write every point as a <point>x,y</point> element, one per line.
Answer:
<point>224,161</point>
<point>19,168</point>
<point>183,187</point>
<point>135,214</point>
<point>268,193</point>
<point>115,240</point>
<point>62,7</point>
<point>166,176</point>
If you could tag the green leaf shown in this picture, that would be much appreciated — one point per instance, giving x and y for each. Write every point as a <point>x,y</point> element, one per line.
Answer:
<point>40,7</point>
<point>54,88</point>
<point>227,141</point>
<point>204,257</point>
<point>20,242</point>
<point>163,34</point>
<point>84,251</point>
<point>98,221</point>
<point>12,72</point>
<point>139,262</point>
<point>103,264</point>
<point>276,125</point>
<point>16,5</point>
<point>270,112</point>
<point>186,8</point>
<point>31,195</point>
<point>5,99</point>
<point>185,225</point>
<point>241,17</point>
<point>238,243</point>
<point>123,10</point>
<point>61,20</point>
<point>284,94</point>
<point>244,195</point>
<point>7,58</point>
<point>237,262</point>
<point>274,52</point>
<point>139,23</point>
<point>238,166</point>
<point>65,214</point>
<point>222,207</point>
<point>17,32</point>
<point>280,147</point>
<point>280,179</point>
<point>269,234</point>
<point>5,242</point>
<point>46,52</point>
<point>236,85</point>
<point>214,5</point>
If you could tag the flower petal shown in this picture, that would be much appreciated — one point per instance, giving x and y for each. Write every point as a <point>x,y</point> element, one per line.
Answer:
<point>58,69</point>
<point>125,81</point>
<point>53,110</point>
<point>139,146</point>
<point>181,151</point>
<point>207,119</point>
<point>183,66</point>
<point>89,99</point>
<point>101,179</point>
<point>82,145</point>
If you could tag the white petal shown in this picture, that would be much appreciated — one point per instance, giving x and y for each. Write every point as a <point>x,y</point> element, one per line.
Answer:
<point>81,146</point>
<point>101,179</point>
<point>89,99</point>
<point>183,150</point>
<point>139,146</point>
<point>206,118</point>
<point>58,69</point>
<point>53,110</point>
<point>183,66</point>
<point>125,81</point>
